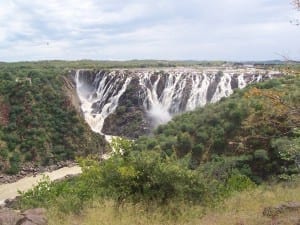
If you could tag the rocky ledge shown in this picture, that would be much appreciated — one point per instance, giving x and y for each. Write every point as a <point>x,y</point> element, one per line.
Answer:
<point>29,217</point>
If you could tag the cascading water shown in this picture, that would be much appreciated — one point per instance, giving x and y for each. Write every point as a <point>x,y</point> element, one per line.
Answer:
<point>99,102</point>
<point>161,93</point>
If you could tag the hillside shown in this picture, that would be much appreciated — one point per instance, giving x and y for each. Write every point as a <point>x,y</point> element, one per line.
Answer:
<point>39,125</point>
<point>259,124</point>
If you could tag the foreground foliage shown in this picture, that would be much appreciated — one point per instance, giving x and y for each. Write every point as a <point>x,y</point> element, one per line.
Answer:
<point>138,177</point>
<point>244,207</point>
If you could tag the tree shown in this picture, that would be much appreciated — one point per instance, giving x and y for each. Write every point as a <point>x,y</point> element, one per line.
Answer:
<point>273,114</point>
<point>184,144</point>
<point>296,4</point>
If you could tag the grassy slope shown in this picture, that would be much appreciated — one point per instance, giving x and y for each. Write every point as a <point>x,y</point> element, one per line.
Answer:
<point>242,208</point>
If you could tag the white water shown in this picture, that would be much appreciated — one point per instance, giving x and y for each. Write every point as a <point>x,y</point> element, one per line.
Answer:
<point>198,91</point>
<point>159,108</point>
<point>106,94</point>
<point>162,94</point>
<point>223,89</point>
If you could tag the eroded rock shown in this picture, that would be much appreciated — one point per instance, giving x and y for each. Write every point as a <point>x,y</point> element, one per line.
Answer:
<point>9,217</point>
<point>29,217</point>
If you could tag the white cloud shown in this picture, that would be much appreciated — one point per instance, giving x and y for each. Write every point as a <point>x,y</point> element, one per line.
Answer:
<point>166,29</point>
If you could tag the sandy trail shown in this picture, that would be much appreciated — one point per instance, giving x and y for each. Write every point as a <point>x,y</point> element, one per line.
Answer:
<point>24,184</point>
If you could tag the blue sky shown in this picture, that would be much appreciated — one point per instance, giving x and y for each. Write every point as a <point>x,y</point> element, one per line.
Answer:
<point>146,29</point>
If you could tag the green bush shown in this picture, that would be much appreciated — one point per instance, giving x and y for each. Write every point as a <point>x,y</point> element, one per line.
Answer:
<point>134,176</point>
<point>261,154</point>
<point>238,182</point>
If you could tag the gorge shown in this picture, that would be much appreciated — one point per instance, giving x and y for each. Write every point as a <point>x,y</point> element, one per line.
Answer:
<point>131,102</point>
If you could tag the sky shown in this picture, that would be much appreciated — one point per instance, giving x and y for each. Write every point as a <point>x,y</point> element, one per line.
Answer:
<point>234,30</point>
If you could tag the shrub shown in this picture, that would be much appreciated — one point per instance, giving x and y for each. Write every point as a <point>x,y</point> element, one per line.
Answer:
<point>261,154</point>
<point>238,182</point>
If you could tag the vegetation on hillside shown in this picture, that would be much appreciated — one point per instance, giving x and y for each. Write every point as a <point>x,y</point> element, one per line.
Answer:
<point>146,177</point>
<point>260,125</point>
<point>38,123</point>
<point>148,188</point>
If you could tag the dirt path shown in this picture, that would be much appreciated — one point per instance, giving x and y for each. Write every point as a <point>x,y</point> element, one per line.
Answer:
<point>11,190</point>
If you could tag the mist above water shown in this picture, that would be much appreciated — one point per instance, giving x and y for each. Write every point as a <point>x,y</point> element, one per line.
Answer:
<point>159,115</point>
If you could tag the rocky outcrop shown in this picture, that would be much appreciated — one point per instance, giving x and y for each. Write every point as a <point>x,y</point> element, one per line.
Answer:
<point>131,123</point>
<point>29,217</point>
<point>70,91</point>
<point>281,209</point>
<point>287,213</point>
<point>130,117</point>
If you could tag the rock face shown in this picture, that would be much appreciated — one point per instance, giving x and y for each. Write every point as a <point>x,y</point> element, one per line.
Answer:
<point>131,102</point>
<point>28,217</point>
<point>70,90</point>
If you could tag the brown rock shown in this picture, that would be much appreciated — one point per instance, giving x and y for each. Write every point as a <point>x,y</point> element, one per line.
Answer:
<point>36,216</point>
<point>36,211</point>
<point>9,217</point>
<point>26,222</point>
<point>283,208</point>
<point>36,219</point>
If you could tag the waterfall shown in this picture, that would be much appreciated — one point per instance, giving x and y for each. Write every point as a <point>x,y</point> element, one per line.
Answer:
<point>224,88</point>
<point>162,93</point>
<point>104,97</point>
<point>198,93</point>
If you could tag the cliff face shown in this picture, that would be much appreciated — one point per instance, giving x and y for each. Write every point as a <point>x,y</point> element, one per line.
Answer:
<point>130,118</point>
<point>131,102</point>
<point>69,88</point>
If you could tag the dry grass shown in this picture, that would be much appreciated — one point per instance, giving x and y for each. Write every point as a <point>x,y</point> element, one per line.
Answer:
<point>246,208</point>
<point>241,209</point>
<point>108,214</point>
